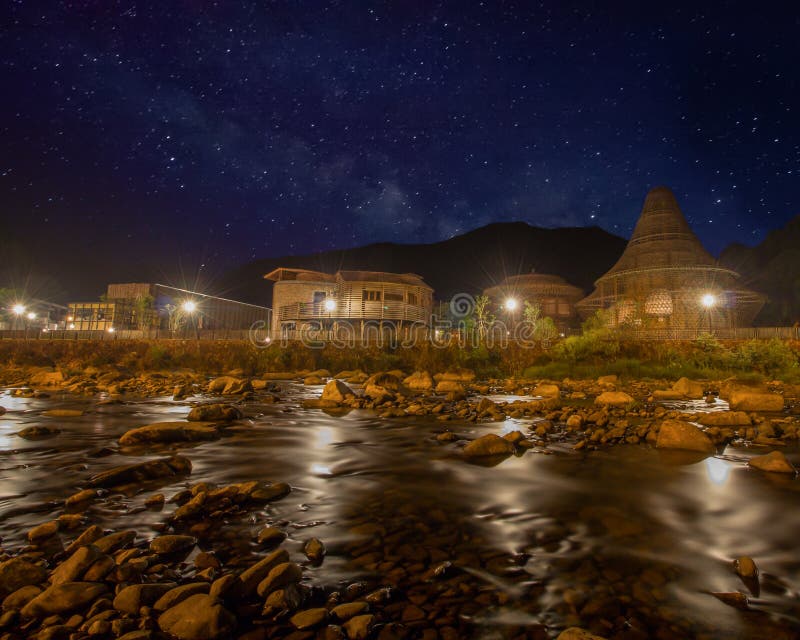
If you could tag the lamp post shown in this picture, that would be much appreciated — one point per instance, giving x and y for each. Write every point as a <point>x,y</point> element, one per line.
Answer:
<point>189,307</point>
<point>330,307</point>
<point>709,301</point>
<point>511,305</point>
<point>17,310</point>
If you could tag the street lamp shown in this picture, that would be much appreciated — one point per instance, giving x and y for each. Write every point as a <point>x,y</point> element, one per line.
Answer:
<point>709,301</point>
<point>330,305</point>
<point>511,304</point>
<point>18,309</point>
<point>190,306</point>
<point>31,316</point>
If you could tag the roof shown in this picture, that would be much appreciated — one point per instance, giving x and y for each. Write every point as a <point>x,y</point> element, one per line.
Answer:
<point>410,279</point>
<point>537,284</point>
<point>661,239</point>
<point>285,273</point>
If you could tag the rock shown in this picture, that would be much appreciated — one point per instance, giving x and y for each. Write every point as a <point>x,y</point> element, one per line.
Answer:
<point>229,386</point>
<point>547,390</point>
<point>608,381</point>
<point>91,534</point>
<point>141,472</point>
<point>310,618</point>
<point>488,445</point>
<point>253,576</point>
<point>312,381</point>
<point>132,598</point>
<point>336,391</point>
<point>216,412</point>
<point>614,399</point>
<point>16,573</point>
<point>115,541</point>
<point>745,567</point>
<point>774,462</point>
<point>176,595</point>
<point>576,633</point>
<point>43,531</point>
<point>733,599</point>
<point>38,432</point>
<point>314,550</point>
<point>377,393</point>
<point>359,627</point>
<point>450,386</point>
<point>19,598</point>
<point>347,610</point>
<point>744,400</point>
<point>63,598</point>
<point>574,422</point>
<point>725,419</point>
<point>46,378</point>
<point>63,413</point>
<point>199,617</point>
<point>81,497</point>
<point>271,536</point>
<point>689,388</point>
<point>419,381</point>
<point>172,544</point>
<point>168,432</point>
<point>676,434</point>
<point>279,577</point>
<point>74,567</point>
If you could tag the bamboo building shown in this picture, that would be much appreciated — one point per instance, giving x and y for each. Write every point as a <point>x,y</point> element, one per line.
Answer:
<point>666,279</point>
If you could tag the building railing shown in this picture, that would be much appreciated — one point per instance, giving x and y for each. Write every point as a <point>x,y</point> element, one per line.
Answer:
<point>364,310</point>
<point>738,333</point>
<point>129,334</point>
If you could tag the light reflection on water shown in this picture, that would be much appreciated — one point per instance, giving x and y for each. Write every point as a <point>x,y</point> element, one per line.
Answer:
<point>573,518</point>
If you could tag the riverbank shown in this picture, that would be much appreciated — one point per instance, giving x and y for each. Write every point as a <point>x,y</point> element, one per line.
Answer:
<point>396,504</point>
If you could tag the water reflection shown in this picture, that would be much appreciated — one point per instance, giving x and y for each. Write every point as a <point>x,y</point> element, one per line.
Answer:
<point>718,470</point>
<point>627,525</point>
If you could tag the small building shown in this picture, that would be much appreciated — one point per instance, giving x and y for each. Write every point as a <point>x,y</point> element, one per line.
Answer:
<point>348,303</point>
<point>147,307</point>
<point>555,296</point>
<point>666,279</point>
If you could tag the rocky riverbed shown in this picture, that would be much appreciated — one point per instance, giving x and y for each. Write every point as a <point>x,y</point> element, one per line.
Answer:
<point>395,506</point>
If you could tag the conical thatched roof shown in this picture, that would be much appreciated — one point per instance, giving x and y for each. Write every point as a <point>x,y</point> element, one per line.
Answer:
<point>661,238</point>
<point>664,271</point>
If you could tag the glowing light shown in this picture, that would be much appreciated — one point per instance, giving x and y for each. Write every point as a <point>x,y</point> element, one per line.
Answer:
<point>72,325</point>
<point>511,304</point>
<point>330,305</point>
<point>31,316</point>
<point>708,300</point>
<point>18,309</point>
<point>189,306</point>
<point>110,329</point>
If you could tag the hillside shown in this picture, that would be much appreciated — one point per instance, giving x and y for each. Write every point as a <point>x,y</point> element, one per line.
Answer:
<point>772,267</point>
<point>470,262</point>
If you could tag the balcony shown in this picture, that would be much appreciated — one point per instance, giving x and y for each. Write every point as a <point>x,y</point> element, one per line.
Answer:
<point>355,310</point>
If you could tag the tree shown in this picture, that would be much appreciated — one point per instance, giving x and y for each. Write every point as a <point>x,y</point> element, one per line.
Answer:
<point>532,313</point>
<point>176,317</point>
<point>484,318</point>
<point>142,306</point>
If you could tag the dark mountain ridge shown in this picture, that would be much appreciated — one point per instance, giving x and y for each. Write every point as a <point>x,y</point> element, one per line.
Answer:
<point>466,263</point>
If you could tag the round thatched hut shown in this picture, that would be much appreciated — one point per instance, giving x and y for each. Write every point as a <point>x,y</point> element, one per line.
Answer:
<point>555,296</point>
<point>666,279</point>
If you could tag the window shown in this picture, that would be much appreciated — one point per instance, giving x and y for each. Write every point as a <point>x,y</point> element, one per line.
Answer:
<point>393,297</point>
<point>369,295</point>
<point>319,296</point>
<point>412,299</point>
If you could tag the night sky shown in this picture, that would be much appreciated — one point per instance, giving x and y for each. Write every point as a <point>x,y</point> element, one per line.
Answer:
<point>186,135</point>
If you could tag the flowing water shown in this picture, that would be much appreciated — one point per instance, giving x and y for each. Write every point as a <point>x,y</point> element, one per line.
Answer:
<point>625,540</point>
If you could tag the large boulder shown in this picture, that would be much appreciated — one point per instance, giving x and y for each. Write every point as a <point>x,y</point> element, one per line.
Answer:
<point>169,432</point>
<point>614,399</point>
<point>725,419</point>
<point>336,391</point>
<point>576,633</point>
<point>547,390</point>
<point>76,565</point>
<point>63,598</point>
<point>377,393</point>
<point>774,462</point>
<point>386,380</point>
<point>229,386</point>
<point>216,412</point>
<point>16,573</point>
<point>744,400</point>
<point>464,375</point>
<point>133,597</point>
<point>46,378</point>
<point>488,446</point>
<point>689,388</point>
<point>676,434</point>
<point>141,472</point>
<point>198,617</point>
<point>449,386</point>
<point>419,381</point>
